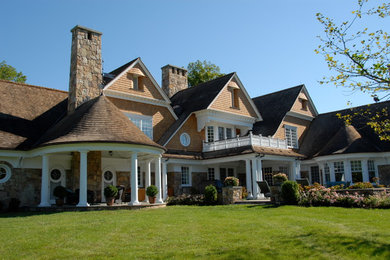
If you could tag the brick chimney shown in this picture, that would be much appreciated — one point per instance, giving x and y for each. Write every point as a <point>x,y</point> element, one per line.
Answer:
<point>174,79</point>
<point>85,66</point>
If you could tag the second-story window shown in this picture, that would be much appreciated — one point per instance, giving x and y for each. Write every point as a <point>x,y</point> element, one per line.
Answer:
<point>210,134</point>
<point>234,93</point>
<point>291,136</point>
<point>135,83</point>
<point>144,123</point>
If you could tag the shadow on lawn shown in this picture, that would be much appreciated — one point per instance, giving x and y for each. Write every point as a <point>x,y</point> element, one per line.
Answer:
<point>341,245</point>
<point>19,214</point>
<point>268,206</point>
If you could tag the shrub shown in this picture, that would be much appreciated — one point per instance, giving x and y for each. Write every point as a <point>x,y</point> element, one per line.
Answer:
<point>152,191</point>
<point>361,185</point>
<point>210,195</point>
<point>186,199</point>
<point>60,192</point>
<point>290,192</point>
<point>337,187</point>
<point>110,191</point>
<point>231,181</point>
<point>279,178</point>
<point>244,192</point>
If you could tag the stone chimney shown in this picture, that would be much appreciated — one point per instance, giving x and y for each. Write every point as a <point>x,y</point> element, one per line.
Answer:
<point>174,79</point>
<point>85,66</point>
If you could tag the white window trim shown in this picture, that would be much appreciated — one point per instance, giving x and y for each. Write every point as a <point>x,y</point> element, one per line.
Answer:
<point>208,173</point>
<point>8,173</point>
<point>292,128</point>
<point>185,136</point>
<point>135,82</point>
<point>189,176</point>
<point>62,178</point>
<point>142,118</point>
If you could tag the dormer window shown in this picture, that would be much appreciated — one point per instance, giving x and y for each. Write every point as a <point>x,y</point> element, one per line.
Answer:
<point>233,88</point>
<point>136,76</point>
<point>303,104</point>
<point>135,83</point>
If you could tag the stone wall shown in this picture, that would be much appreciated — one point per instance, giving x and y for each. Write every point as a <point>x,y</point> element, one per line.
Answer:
<point>231,194</point>
<point>199,182</point>
<point>25,185</point>
<point>85,67</point>
<point>174,79</point>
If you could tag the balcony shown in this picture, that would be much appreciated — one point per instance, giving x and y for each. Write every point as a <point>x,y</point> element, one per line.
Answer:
<point>256,140</point>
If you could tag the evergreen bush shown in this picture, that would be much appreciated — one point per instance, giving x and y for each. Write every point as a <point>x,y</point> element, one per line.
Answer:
<point>290,192</point>
<point>151,191</point>
<point>210,195</point>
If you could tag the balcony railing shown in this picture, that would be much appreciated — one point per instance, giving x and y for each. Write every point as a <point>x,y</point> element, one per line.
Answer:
<point>256,140</point>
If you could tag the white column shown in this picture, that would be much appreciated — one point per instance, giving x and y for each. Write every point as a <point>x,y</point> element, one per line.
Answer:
<point>248,179</point>
<point>259,175</point>
<point>45,182</point>
<point>296,169</point>
<point>83,180</point>
<point>157,170</point>
<point>147,179</point>
<point>255,187</point>
<point>366,178</point>
<point>347,171</point>
<point>331,171</point>
<point>217,173</point>
<point>293,171</point>
<point>321,166</point>
<point>165,181</point>
<point>134,180</point>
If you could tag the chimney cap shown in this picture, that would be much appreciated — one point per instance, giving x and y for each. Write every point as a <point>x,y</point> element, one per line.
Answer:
<point>85,29</point>
<point>173,66</point>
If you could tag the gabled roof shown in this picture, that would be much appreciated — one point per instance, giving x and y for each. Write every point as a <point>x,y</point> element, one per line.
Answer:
<point>26,112</point>
<point>97,120</point>
<point>273,108</point>
<point>328,135</point>
<point>193,99</point>
<point>113,74</point>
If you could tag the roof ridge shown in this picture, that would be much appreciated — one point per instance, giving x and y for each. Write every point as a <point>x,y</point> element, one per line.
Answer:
<point>124,66</point>
<point>299,86</point>
<point>361,106</point>
<point>201,84</point>
<point>33,86</point>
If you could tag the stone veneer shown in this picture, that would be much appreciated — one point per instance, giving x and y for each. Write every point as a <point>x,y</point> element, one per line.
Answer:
<point>174,79</point>
<point>85,66</point>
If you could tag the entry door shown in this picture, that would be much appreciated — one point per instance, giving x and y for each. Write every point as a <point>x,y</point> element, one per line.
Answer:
<point>57,178</point>
<point>108,178</point>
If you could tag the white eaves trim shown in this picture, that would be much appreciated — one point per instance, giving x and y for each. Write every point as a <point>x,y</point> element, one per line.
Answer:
<point>207,115</point>
<point>300,116</point>
<point>140,99</point>
<point>259,118</point>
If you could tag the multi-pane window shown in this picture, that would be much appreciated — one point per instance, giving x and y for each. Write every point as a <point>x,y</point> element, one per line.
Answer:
<point>230,172</point>
<point>185,176</point>
<point>356,170</point>
<point>229,133</point>
<point>283,169</point>
<point>339,171</point>
<point>327,173</point>
<point>371,170</point>
<point>221,133</point>
<point>267,175</point>
<point>315,174</point>
<point>210,134</point>
<point>291,136</point>
<point>211,174</point>
<point>145,123</point>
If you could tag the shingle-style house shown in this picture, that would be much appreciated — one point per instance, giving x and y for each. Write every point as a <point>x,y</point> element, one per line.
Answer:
<point>122,128</point>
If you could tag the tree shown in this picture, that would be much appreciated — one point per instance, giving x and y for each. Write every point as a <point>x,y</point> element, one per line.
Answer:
<point>7,72</point>
<point>199,72</point>
<point>360,60</point>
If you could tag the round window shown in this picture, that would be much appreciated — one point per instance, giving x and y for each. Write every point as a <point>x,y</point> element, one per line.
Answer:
<point>185,139</point>
<point>108,176</point>
<point>5,173</point>
<point>55,175</point>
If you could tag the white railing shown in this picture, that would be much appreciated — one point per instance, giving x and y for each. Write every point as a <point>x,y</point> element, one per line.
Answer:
<point>256,140</point>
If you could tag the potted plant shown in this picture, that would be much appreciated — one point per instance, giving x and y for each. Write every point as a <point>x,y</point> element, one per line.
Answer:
<point>110,193</point>
<point>151,192</point>
<point>60,193</point>
<point>231,181</point>
<point>279,178</point>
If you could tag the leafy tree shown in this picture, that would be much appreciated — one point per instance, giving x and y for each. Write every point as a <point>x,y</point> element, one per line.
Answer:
<point>360,60</point>
<point>199,72</point>
<point>7,72</point>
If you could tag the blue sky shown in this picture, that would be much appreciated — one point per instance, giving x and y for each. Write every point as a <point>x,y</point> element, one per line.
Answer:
<point>269,43</point>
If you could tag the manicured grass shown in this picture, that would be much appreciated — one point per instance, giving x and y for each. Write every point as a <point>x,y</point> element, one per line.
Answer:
<point>227,232</point>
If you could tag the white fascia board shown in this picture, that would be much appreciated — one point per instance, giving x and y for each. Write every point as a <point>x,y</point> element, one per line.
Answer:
<point>120,75</point>
<point>310,100</point>
<point>207,115</point>
<point>299,115</point>
<point>248,97</point>
<point>338,157</point>
<point>140,99</point>
<point>180,126</point>
<point>75,147</point>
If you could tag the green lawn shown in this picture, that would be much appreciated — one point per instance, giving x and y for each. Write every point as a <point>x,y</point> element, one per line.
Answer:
<point>227,232</point>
